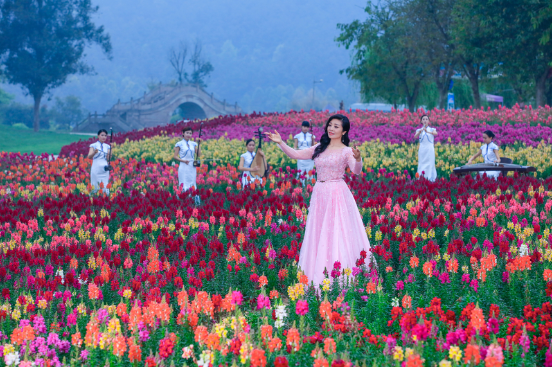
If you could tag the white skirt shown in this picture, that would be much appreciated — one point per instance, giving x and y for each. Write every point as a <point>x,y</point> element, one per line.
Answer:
<point>305,166</point>
<point>187,176</point>
<point>99,175</point>
<point>426,162</point>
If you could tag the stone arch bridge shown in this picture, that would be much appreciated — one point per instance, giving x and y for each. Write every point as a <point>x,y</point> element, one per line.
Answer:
<point>157,107</point>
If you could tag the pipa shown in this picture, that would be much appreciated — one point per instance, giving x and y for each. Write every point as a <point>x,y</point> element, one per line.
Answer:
<point>259,160</point>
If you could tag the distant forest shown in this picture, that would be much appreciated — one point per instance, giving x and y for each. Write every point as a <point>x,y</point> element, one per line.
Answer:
<point>265,55</point>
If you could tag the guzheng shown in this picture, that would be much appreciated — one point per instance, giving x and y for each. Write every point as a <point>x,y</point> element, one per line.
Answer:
<point>501,167</point>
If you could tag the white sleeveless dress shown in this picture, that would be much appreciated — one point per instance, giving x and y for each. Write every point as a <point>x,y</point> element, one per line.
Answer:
<point>426,154</point>
<point>98,174</point>
<point>248,158</point>
<point>187,172</point>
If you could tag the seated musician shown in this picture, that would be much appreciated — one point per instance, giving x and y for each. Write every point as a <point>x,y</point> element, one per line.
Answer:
<point>489,151</point>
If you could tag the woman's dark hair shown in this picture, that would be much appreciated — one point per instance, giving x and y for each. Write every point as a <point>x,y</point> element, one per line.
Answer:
<point>187,128</point>
<point>249,141</point>
<point>489,133</point>
<point>422,117</point>
<point>102,131</point>
<point>325,139</point>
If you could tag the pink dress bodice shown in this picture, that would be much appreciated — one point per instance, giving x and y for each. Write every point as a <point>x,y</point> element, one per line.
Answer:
<point>331,164</point>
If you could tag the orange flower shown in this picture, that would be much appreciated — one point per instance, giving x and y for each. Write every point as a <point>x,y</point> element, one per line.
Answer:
<point>73,264</point>
<point>201,334</point>
<point>414,360</point>
<point>258,358</point>
<point>119,345</point>
<point>274,344</point>
<point>472,354</point>
<point>93,291</point>
<point>321,362</point>
<point>76,339</point>
<point>428,269</point>
<point>407,301</point>
<point>274,294</point>
<point>547,275</point>
<point>263,280</point>
<point>329,346</point>
<point>414,262</point>
<point>266,332</point>
<point>452,266</point>
<point>293,339</point>
<point>477,319</point>
<point>213,341</point>
<point>134,353</point>
<point>388,269</point>
<point>325,310</point>
<point>303,279</point>
<point>370,288</point>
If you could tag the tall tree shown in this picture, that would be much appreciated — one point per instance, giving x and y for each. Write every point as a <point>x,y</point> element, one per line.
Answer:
<point>200,68</point>
<point>177,59</point>
<point>433,19</point>
<point>42,42</point>
<point>386,39</point>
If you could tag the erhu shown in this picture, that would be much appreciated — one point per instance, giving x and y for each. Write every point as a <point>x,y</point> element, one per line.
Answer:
<point>196,161</point>
<point>260,160</point>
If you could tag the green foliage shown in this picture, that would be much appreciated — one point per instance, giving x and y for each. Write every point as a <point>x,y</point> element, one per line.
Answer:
<point>67,112</point>
<point>43,42</point>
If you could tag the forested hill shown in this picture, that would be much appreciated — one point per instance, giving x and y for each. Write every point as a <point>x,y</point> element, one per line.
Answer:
<point>265,54</point>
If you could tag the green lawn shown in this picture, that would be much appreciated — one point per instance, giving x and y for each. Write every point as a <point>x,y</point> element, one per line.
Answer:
<point>27,141</point>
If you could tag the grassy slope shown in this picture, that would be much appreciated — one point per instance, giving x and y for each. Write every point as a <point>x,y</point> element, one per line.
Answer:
<point>27,141</point>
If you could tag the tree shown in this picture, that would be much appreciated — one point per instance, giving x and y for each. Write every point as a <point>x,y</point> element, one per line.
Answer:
<point>42,42</point>
<point>386,54</point>
<point>68,112</point>
<point>433,19</point>
<point>201,68</point>
<point>177,59</point>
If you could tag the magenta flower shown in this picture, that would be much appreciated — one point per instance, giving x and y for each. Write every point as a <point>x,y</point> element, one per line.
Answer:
<point>302,307</point>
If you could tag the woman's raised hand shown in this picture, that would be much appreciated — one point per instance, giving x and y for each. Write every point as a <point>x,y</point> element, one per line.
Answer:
<point>275,137</point>
<point>356,153</point>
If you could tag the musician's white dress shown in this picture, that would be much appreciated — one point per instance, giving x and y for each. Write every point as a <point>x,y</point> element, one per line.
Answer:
<point>248,158</point>
<point>488,151</point>
<point>304,141</point>
<point>187,172</point>
<point>98,174</point>
<point>426,154</point>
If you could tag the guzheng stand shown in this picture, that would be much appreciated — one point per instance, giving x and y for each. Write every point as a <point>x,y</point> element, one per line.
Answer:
<point>501,167</point>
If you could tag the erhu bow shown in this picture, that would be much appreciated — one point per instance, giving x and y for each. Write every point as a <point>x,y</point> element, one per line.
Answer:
<point>196,161</point>
<point>260,159</point>
<point>109,167</point>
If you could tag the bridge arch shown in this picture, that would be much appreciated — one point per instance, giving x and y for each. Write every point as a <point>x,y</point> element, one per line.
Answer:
<point>190,111</point>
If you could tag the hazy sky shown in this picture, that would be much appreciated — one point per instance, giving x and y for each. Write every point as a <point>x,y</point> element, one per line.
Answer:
<point>263,52</point>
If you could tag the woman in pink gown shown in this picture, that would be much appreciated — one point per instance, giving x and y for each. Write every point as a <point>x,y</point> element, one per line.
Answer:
<point>334,229</point>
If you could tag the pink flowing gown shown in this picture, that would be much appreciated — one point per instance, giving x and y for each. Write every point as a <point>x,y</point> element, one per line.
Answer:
<point>334,229</point>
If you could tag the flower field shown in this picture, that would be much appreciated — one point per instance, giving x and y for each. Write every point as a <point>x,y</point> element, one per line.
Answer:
<point>460,272</point>
<point>386,140</point>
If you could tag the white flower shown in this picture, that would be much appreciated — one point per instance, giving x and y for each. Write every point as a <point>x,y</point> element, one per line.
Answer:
<point>281,313</point>
<point>12,359</point>
<point>395,302</point>
<point>280,221</point>
<point>523,250</point>
<point>204,359</point>
<point>60,273</point>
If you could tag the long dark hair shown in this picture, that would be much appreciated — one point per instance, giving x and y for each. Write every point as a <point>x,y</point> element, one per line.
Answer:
<point>325,139</point>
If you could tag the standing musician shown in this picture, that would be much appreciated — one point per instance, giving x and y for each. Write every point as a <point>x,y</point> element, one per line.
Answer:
<point>100,153</point>
<point>184,152</point>
<point>301,141</point>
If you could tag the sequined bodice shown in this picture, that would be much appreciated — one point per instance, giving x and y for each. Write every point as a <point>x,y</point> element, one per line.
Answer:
<point>331,165</point>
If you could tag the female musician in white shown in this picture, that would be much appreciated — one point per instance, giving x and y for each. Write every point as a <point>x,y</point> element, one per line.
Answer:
<point>426,153</point>
<point>184,152</point>
<point>301,141</point>
<point>246,163</point>
<point>489,151</point>
<point>99,152</point>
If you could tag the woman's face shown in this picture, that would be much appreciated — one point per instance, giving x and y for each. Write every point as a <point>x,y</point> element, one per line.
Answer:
<point>305,129</point>
<point>487,139</point>
<point>187,134</point>
<point>102,137</point>
<point>335,129</point>
<point>425,120</point>
<point>251,146</point>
